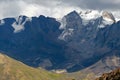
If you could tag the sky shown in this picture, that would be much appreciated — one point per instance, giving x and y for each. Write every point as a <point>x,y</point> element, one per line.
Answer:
<point>52,8</point>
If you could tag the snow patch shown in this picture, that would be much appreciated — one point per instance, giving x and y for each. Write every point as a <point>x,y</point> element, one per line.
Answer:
<point>2,22</point>
<point>101,26</point>
<point>91,14</point>
<point>108,19</point>
<point>66,33</point>
<point>116,14</point>
<point>105,22</point>
<point>19,25</point>
<point>63,23</point>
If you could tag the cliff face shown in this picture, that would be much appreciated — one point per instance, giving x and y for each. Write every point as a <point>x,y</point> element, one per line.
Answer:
<point>114,75</point>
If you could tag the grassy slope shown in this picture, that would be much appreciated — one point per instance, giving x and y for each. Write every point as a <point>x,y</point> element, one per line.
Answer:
<point>14,70</point>
<point>11,69</point>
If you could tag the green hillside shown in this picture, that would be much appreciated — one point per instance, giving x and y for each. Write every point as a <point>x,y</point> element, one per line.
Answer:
<point>14,70</point>
<point>11,69</point>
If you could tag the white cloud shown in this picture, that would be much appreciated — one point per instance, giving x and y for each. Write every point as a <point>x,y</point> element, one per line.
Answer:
<point>52,8</point>
<point>58,11</point>
<point>8,9</point>
<point>111,1</point>
<point>15,8</point>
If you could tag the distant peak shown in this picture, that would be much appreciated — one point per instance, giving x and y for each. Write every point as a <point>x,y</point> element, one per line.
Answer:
<point>73,14</point>
<point>108,16</point>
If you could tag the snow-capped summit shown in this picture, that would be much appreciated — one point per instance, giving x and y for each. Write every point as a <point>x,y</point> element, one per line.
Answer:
<point>69,24</point>
<point>116,14</point>
<point>74,21</point>
<point>108,16</point>
<point>90,14</point>
<point>87,16</point>
<point>107,19</point>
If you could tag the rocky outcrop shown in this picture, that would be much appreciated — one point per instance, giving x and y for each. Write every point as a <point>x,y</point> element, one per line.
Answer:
<point>108,15</point>
<point>114,75</point>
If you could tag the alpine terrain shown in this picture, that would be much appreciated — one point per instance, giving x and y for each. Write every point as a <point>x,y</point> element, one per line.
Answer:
<point>81,45</point>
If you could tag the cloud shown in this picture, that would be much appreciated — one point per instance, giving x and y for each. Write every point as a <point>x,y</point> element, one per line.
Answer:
<point>9,8</point>
<point>53,8</point>
<point>94,4</point>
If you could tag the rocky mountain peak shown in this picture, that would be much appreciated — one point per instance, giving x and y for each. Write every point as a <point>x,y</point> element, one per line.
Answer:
<point>70,23</point>
<point>73,13</point>
<point>73,16</point>
<point>108,16</point>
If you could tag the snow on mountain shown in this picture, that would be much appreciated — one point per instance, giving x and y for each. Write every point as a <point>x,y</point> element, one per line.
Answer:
<point>63,23</point>
<point>19,24</point>
<point>116,14</point>
<point>83,45</point>
<point>108,16</point>
<point>65,33</point>
<point>2,22</point>
<point>93,14</point>
<point>69,24</point>
<point>108,19</point>
<point>86,16</point>
<point>90,14</point>
<point>74,20</point>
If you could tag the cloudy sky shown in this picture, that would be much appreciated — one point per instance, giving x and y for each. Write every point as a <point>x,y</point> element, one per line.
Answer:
<point>53,8</point>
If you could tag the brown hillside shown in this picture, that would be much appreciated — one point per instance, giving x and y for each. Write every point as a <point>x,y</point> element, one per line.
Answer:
<point>114,75</point>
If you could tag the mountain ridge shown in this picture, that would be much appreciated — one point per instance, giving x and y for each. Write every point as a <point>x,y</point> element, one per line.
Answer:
<point>39,43</point>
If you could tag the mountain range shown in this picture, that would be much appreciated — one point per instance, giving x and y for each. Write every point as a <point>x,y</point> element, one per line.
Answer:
<point>85,41</point>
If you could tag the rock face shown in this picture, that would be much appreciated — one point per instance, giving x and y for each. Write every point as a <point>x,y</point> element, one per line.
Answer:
<point>114,75</point>
<point>108,15</point>
<point>32,42</point>
<point>83,46</point>
<point>71,45</point>
<point>105,64</point>
<point>72,22</point>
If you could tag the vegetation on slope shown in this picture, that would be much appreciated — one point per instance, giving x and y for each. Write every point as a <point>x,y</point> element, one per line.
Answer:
<point>11,69</point>
<point>14,70</point>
